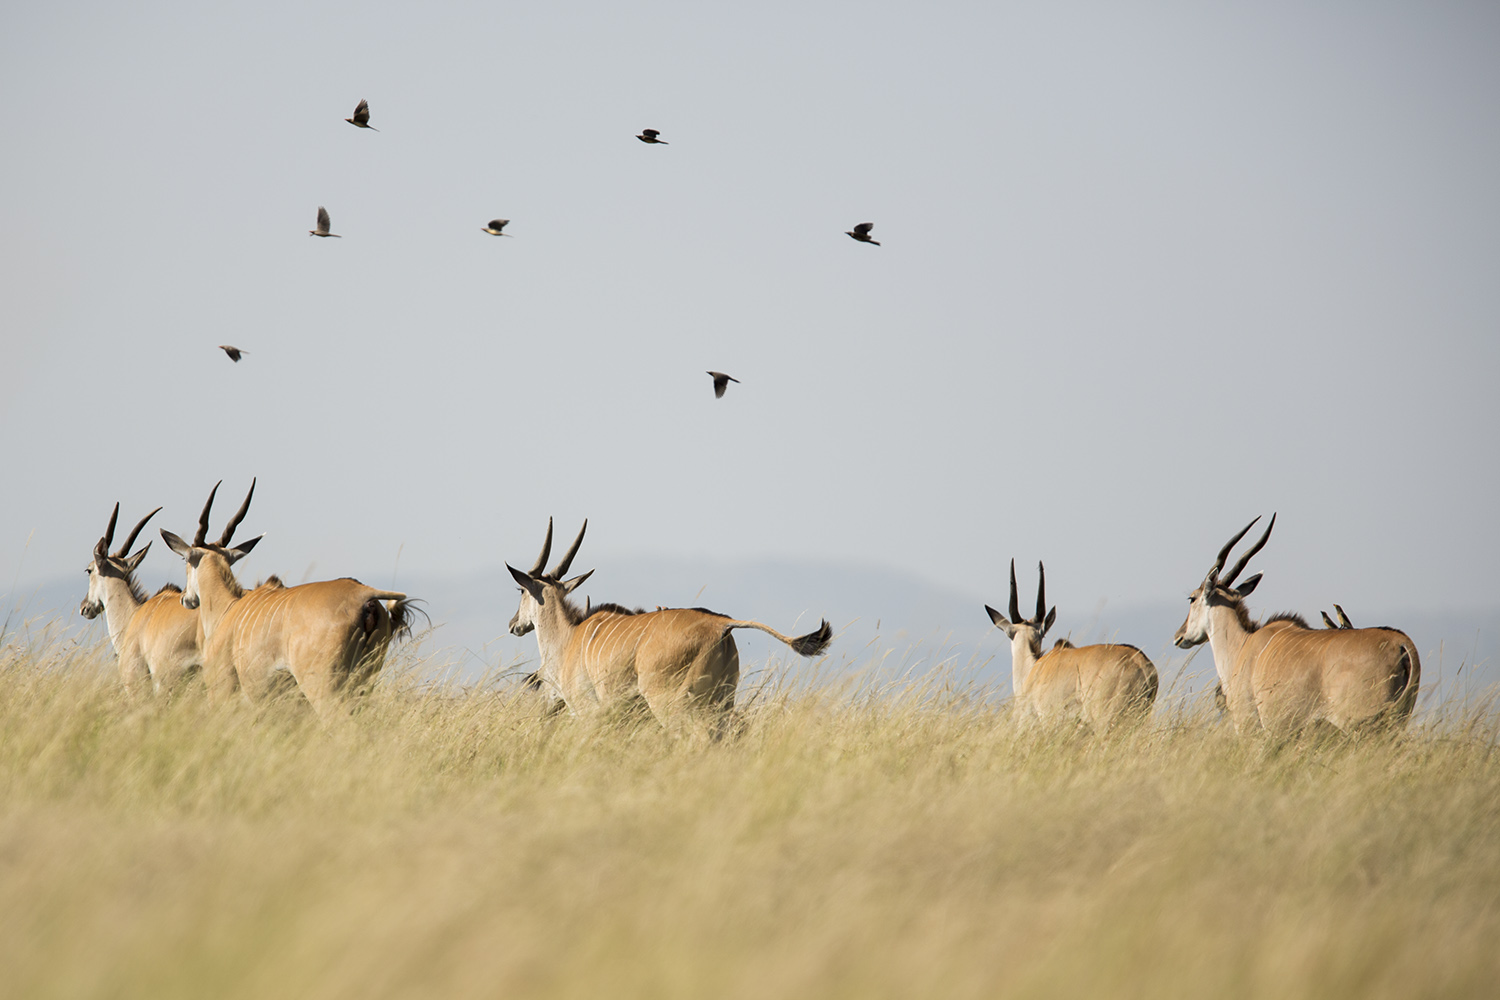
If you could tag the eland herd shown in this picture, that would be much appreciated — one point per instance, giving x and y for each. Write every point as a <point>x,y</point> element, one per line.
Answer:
<point>330,637</point>
<point>1279,676</point>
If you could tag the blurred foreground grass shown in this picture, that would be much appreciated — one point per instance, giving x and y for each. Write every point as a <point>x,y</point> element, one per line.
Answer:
<point>907,842</point>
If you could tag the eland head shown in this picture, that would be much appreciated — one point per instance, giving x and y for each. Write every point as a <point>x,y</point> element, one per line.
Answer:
<point>195,554</point>
<point>541,589</point>
<point>1220,591</point>
<point>117,565</point>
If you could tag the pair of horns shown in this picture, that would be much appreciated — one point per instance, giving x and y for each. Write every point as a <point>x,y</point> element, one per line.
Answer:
<point>561,568</point>
<point>234,522</point>
<point>1228,581</point>
<point>1041,594</point>
<point>109,533</point>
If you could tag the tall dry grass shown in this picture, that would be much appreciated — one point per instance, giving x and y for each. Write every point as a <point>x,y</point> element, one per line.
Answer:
<point>896,842</point>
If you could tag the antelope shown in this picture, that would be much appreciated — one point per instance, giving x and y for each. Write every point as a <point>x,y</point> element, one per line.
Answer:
<point>675,659</point>
<point>155,638</point>
<point>330,636</point>
<point>1100,685</point>
<point>1281,676</point>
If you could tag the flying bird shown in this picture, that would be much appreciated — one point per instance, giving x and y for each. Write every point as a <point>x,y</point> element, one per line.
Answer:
<point>861,232</point>
<point>323,225</point>
<point>721,382</point>
<point>361,117</point>
<point>496,225</point>
<point>233,352</point>
<point>650,135</point>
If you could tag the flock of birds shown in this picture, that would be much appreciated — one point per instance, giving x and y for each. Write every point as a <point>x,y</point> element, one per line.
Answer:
<point>496,227</point>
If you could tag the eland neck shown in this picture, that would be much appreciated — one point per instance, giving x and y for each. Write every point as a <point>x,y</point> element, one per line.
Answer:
<point>217,590</point>
<point>554,629</point>
<point>120,605</point>
<point>1023,657</point>
<point>1227,637</point>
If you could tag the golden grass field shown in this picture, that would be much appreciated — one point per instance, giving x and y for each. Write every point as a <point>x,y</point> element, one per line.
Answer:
<point>855,841</point>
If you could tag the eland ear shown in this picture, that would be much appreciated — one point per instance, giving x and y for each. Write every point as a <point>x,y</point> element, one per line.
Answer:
<point>175,543</point>
<point>527,581</point>
<point>1051,617</point>
<point>1001,621</point>
<point>571,585</point>
<point>1246,586</point>
<point>135,560</point>
<point>242,550</point>
<point>101,550</point>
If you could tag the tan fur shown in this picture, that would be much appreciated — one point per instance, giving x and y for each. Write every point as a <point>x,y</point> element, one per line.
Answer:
<point>677,660</point>
<point>159,646</point>
<point>671,658</point>
<point>1281,677</point>
<point>155,638</point>
<point>1100,686</point>
<point>314,631</point>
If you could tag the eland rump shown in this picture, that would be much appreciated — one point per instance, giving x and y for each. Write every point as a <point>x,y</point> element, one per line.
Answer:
<point>330,636</point>
<point>1100,685</point>
<point>674,659</point>
<point>1281,676</point>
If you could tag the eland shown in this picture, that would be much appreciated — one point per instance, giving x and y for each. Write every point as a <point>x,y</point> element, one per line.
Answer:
<point>330,636</point>
<point>1281,676</point>
<point>674,659</point>
<point>1100,685</point>
<point>155,638</point>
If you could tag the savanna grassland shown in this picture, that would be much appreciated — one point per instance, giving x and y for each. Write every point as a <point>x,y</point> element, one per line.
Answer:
<point>852,842</point>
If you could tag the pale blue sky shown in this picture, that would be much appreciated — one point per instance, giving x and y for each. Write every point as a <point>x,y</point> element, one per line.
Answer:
<point>1148,270</point>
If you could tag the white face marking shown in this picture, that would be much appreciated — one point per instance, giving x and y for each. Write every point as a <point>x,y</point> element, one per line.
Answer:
<point>1194,629</point>
<point>524,619</point>
<point>93,603</point>
<point>190,596</point>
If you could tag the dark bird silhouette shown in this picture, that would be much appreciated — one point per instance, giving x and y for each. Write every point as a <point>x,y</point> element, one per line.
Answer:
<point>496,225</point>
<point>323,225</point>
<point>233,352</point>
<point>861,232</point>
<point>721,382</point>
<point>361,117</point>
<point>650,135</point>
<point>1343,621</point>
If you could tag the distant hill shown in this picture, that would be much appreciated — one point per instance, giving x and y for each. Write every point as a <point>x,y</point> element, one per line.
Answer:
<point>883,619</point>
